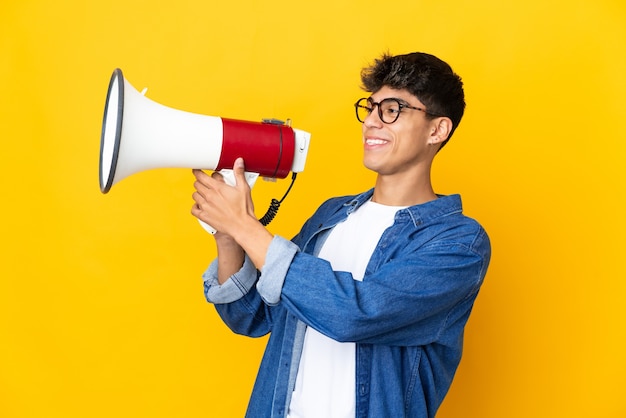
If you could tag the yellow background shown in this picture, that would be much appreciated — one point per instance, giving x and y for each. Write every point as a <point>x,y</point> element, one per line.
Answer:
<point>101,305</point>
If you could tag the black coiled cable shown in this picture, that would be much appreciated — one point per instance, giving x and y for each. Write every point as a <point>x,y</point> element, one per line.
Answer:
<point>275,205</point>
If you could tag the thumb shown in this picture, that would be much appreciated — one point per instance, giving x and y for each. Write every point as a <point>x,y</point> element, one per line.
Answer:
<point>238,170</point>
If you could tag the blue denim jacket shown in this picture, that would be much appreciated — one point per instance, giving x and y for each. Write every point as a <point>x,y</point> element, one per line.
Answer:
<point>406,317</point>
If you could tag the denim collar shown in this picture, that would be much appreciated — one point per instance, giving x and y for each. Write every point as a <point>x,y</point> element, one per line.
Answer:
<point>425,212</point>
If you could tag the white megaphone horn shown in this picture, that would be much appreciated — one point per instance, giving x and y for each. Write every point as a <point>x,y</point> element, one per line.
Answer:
<point>139,134</point>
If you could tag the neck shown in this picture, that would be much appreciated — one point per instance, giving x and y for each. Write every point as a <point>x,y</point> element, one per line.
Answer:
<point>397,191</point>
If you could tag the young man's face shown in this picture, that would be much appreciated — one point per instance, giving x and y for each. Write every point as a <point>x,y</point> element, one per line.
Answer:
<point>402,146</point>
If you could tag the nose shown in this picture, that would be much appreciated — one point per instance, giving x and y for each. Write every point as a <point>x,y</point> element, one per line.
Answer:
<point>373,119</point>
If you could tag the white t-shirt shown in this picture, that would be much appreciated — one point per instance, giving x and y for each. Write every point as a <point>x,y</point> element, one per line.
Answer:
<point>325,385</point>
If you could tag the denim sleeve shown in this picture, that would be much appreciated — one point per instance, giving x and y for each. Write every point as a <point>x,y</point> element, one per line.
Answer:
<point>413,298</point>
<point>270,284</point>
<point>237,286</point>
<point>277,262</point>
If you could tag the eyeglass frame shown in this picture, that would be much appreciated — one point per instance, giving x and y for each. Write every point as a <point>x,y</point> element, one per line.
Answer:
<point>401,105</point>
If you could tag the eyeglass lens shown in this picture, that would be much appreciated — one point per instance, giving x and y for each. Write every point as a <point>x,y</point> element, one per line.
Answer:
<point>388,109</point>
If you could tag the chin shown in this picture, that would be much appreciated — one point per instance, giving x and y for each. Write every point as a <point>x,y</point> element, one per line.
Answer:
<point>372,166</point>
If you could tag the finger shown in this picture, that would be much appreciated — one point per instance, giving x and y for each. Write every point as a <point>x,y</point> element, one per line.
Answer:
<point>196,210</point>
<point>202,190</point>
<point>204,183</point>
<point>198,173</point>
<point>198,198</point>
<point>213,181</point>
<point>217,176</point>
<point>201,208</point>
<point>200,176</point>
<point>239,171</point>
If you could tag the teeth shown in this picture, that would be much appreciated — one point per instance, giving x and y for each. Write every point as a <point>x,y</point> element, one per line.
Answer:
<point>374,141</point>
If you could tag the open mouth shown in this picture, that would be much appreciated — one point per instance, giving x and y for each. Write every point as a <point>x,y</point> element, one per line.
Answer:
<point>373,142</point>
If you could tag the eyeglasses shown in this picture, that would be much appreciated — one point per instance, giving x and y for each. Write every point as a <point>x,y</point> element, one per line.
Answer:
<point>389,109</point>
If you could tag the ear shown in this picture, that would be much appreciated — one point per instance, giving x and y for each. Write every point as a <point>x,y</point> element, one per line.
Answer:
<point>441,128</point>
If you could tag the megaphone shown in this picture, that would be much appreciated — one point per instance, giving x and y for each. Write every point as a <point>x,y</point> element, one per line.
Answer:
<point>139,134</point>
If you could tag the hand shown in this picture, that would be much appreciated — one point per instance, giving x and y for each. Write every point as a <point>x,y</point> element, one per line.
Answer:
<point>223,207</point>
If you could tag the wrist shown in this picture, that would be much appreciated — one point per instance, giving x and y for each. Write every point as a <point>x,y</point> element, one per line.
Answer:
<point>255,239</point>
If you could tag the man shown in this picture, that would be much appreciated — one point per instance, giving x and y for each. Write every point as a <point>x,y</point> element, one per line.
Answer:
<point>366,306</point>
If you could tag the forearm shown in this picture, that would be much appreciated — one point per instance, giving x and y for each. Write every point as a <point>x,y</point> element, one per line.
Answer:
<point>230,257</point>
<point>254,239</point>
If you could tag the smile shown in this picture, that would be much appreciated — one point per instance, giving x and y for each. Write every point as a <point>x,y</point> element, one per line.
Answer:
<point>372,141</point>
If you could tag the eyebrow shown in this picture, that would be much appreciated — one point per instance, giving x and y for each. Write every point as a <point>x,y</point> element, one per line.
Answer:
<point>402,101</point>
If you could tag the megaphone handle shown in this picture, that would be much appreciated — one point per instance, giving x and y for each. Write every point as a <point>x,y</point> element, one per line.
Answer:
<point>229,178</point>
